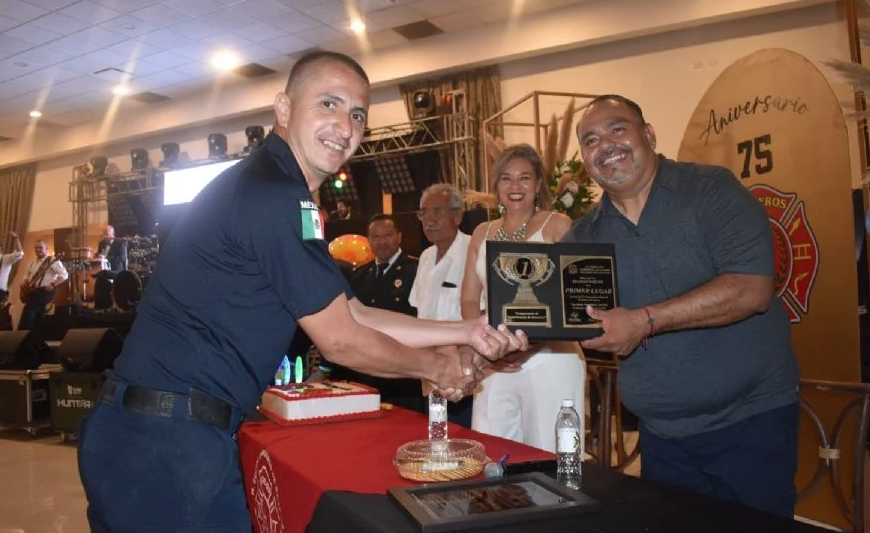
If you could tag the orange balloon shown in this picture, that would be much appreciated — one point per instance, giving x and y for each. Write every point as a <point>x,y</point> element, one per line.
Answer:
<point>354,249</point>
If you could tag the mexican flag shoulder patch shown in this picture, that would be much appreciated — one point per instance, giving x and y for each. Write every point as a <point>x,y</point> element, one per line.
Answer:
<point>312,221</point>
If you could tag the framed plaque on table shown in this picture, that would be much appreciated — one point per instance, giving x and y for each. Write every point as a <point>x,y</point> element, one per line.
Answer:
<point>439,507</point>
<point>544,289</point>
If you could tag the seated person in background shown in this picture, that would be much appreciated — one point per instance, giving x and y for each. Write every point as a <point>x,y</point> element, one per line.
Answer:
<point>386,283</point>
<point>343,211</point>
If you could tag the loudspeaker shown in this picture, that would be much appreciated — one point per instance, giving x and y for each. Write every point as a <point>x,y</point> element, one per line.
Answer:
<point>23,350</point>
<point>89,350</point>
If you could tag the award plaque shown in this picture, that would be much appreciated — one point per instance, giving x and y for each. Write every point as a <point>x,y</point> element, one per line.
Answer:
<point>544,289</point>
<point>488,503</point>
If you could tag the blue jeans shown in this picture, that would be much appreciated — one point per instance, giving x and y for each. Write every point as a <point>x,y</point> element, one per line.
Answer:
<point>143,473</point>
<point>752,462</point>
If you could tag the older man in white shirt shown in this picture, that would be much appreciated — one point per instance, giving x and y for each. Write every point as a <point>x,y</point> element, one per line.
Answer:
<point>436,288</point>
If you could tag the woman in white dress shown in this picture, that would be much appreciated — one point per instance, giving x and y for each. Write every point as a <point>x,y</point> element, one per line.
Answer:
<point>520,401</point>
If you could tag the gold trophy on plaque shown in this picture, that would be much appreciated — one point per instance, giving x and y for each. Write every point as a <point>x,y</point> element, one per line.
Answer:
<point>526,270</point>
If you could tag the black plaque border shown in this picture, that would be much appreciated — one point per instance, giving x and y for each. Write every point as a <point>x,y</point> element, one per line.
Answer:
<point>495,286</point>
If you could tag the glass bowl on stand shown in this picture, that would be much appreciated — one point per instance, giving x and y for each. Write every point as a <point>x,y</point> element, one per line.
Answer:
<point>449,460</point>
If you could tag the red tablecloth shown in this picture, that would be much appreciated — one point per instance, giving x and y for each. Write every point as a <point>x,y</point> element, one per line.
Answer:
<point>287,468</point>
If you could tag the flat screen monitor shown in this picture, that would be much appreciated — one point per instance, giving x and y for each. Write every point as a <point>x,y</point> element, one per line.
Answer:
<point>182,185</point>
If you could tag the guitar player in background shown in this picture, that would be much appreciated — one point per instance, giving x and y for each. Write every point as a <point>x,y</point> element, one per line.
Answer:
<point>43,276</point>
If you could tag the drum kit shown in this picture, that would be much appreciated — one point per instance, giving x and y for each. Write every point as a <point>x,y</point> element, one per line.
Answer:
<point>93,284</point>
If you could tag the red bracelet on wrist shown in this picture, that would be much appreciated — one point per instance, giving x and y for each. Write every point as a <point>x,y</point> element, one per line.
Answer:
<point>651,322</point>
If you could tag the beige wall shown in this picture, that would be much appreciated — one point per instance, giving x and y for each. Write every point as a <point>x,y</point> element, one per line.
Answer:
<point>668,74</point>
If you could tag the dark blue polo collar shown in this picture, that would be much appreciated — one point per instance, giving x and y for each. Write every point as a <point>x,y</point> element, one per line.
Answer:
<point>282,154</point>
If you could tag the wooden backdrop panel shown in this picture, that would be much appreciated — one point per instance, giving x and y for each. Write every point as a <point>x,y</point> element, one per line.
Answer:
<point>773,119</point>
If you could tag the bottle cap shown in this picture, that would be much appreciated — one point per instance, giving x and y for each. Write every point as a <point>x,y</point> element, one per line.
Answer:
<point>567,403</point>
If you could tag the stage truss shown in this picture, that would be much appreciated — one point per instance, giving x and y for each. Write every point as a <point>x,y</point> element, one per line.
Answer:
<point>453,132</point>
<point>89,196</point>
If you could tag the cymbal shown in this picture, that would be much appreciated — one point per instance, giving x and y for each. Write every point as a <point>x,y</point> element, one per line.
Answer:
<point>82,249</point>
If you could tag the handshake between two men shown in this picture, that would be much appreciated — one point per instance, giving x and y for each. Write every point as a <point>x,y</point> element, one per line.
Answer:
<point>451,356</point>
<point>486,346</point>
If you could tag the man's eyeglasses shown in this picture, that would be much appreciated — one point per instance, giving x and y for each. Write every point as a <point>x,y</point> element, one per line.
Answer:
<point>435,213</point>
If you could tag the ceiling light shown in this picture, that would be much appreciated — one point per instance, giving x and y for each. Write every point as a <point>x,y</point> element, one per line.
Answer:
<point>121,90</point>
<point>35,114</point>
<point>225,60</point>
<point>357,26</point>
<point>128,26</point>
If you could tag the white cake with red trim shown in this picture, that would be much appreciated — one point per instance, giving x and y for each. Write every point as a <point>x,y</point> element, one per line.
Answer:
<point>318,402</point>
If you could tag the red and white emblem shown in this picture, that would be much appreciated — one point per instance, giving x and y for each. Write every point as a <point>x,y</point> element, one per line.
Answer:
<point>264,490</point>
<point>795,250</point>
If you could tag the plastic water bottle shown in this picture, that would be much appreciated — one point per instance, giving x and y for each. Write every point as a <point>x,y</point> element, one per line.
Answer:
<point>437,419</point>
<point>568,446</point>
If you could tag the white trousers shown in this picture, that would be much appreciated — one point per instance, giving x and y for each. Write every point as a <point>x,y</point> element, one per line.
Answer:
<point>523,406</point>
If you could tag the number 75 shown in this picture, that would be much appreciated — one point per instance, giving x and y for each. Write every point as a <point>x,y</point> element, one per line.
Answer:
<point>762,154</point>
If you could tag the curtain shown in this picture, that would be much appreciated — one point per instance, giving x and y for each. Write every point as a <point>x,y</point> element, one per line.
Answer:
<point>16,201</point>
<point>482,88</point>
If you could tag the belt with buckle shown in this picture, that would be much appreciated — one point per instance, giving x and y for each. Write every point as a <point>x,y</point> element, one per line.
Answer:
<point>195,405</point>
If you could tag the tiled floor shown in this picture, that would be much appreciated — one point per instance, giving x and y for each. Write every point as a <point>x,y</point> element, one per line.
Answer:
<point>40,490</point>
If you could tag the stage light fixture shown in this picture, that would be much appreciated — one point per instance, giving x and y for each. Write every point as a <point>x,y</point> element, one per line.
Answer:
<point>339,187</point>
<point>423,103</point>
<point>139,159</point>
<point>422,100</point>
<point>217,145</point>
<point>255,135</point>
<point>394,174</point>
<point>171,153</point>
<point>98,165</point>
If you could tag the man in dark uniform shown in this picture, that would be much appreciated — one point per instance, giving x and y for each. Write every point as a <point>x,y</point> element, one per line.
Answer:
<point>244,267</point>
<point>386,283</point>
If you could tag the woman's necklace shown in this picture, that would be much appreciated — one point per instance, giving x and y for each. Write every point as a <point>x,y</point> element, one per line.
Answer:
<point>517,236</point>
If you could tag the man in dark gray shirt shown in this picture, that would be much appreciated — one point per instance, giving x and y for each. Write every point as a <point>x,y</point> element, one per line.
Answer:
<point>708,366</point>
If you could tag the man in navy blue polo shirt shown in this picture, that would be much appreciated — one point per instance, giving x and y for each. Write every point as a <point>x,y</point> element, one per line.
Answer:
<point>708,366</point>
<point>245,266</point>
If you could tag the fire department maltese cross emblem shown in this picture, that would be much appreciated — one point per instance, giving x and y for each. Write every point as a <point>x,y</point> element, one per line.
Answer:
<point>264,489</point>
<point>795,250</point>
